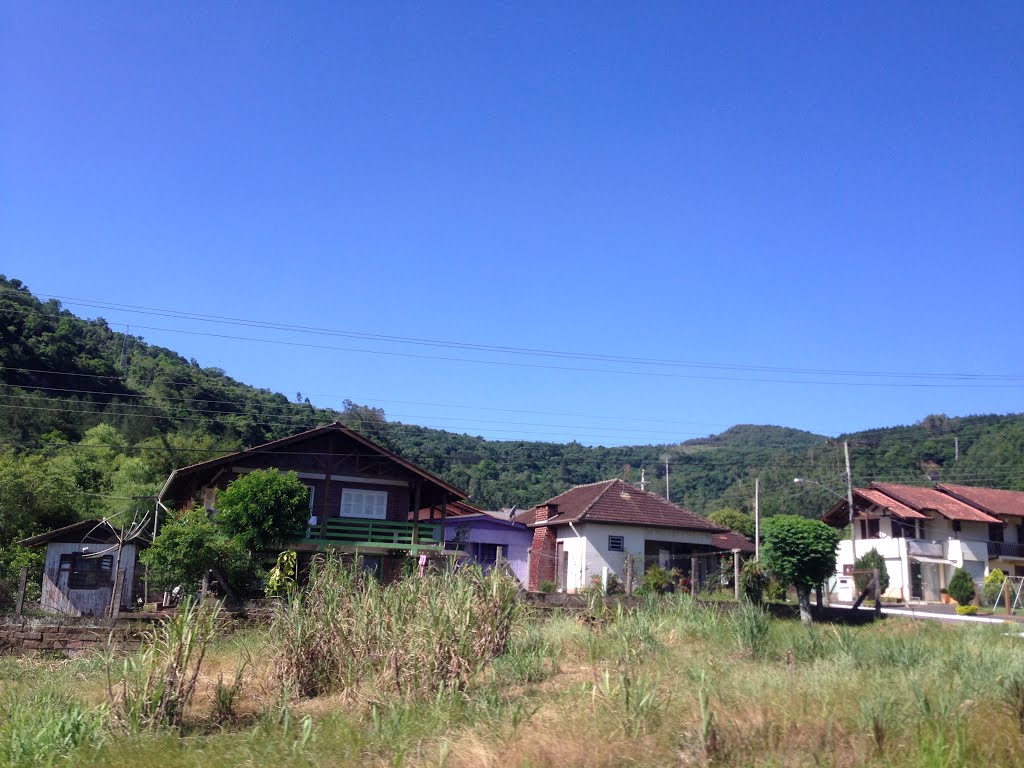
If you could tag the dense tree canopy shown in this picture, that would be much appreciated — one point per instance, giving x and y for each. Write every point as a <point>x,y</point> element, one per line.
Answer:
<point>262,510</point>
<point>800,552</point>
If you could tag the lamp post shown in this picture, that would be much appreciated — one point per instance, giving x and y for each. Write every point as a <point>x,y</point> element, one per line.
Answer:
<point>849,502</point>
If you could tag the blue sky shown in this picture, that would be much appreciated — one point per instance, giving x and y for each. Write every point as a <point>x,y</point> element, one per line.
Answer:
<point>806,187</point>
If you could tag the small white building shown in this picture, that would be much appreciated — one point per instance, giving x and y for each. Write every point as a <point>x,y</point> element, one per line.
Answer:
<point>923,534</point>
<point>589,531</point>
<point>81,561</point>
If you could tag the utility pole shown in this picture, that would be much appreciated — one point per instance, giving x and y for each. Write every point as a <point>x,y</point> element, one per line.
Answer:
<point>849,500</point>
<point>956,447</point>
<point>643,479</point>
<point>757,519</point>
<point>667,496</point>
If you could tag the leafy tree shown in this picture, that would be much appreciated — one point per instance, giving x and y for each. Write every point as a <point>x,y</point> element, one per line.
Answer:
<point>801,552</point>
<point>866,562</point>
<point>187,547</point>
<point>961,587</point>
<point>734,520</point>
<point>262,510</point>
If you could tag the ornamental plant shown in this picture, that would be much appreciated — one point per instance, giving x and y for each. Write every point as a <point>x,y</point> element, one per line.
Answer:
<point>961,587</point>
<point>993,587</point>
<point>868,562</point>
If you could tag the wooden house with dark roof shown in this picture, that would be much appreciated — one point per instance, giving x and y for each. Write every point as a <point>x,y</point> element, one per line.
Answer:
<point>362,497</point>
<point>589,531</point>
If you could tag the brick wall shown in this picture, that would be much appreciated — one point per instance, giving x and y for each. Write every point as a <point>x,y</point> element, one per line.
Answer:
<point>542,551</point>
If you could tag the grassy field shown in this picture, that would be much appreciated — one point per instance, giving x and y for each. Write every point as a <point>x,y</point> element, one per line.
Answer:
<point>671,683</point>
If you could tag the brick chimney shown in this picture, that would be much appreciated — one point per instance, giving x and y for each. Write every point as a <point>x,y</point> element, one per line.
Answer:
<point>542,551</point>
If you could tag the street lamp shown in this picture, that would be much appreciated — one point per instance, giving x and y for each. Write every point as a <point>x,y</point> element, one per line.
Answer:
<point>849,501</point>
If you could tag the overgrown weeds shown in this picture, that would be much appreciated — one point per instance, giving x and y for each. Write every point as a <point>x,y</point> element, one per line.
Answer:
<point>39,729</point>
<point>156,685</point>
<point>411,638</point>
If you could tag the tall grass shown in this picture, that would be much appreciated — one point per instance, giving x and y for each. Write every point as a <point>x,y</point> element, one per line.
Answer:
<point>414,637</point>
<point>154,686</point>
<point>42,727</point>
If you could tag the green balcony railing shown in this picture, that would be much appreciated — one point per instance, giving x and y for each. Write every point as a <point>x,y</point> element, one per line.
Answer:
<point>354,533</point>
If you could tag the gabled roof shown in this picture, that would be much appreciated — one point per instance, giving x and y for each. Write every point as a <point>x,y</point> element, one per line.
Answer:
<point>452,509</point>
<point>732,540</point>
<point>920,499</point>
<point>276,445</point>
<point>989,500</point>
<point>894,507</point>
<point>84,532</point>
<point>616,501</point>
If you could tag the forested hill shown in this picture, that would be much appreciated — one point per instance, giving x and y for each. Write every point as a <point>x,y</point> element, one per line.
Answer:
<point>92,417</point>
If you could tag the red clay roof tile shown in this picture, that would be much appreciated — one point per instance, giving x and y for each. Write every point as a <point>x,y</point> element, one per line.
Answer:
<point>616,501</point>
<point>929,498</point>
<point>990,500</point>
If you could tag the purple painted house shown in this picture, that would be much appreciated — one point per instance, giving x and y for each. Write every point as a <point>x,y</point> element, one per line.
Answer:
<point>483,536</point>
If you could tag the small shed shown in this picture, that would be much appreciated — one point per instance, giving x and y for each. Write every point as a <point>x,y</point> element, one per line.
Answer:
<point>81,562</point>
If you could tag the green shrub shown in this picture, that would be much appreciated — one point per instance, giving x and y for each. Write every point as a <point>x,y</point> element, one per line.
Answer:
<point>775,591</point>
<point>867,562</point>
<point>966,610</point>
<point>657,580</point>
<point>961,587</point>
<point>546,587</point>
<point>753,582</point>
<point>993,587</point>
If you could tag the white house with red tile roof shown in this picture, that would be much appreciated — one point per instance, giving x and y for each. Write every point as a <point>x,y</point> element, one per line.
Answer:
<point>924,535</point>
<point>589,531</point>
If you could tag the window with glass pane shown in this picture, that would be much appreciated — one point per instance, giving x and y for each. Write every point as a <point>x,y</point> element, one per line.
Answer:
<point>359,503</point>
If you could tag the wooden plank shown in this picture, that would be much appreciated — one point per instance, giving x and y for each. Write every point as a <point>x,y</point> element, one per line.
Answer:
<point>19,606</point>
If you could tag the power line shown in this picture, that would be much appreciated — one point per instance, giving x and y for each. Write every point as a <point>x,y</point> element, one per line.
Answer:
<point>591,357</point>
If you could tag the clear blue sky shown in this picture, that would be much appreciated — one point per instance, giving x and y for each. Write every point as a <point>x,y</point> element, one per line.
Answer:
<point>827,187</point>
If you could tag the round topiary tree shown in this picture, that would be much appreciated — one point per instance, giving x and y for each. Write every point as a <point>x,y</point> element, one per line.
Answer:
<point>961,587</point>
<point>867,562</point>
<point>801,552</point>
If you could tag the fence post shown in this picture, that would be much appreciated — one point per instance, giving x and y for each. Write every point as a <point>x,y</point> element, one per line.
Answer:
<point>736,573</point>
<point>1006,596</point>
<point>878,592</point>
<point>22,581</point>
<point>628,575</point>
<point>694,580</point>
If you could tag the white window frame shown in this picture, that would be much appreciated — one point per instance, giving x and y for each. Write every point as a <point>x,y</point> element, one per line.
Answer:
<point>312,505</point>
<point>372,505</point>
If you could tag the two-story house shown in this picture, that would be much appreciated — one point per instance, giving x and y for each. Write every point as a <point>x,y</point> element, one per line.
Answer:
<point>362,497</point>
<point>924,535</point>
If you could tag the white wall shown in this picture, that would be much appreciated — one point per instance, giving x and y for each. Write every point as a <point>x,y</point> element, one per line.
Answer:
<point>968,550</point>
<point>588,553</point>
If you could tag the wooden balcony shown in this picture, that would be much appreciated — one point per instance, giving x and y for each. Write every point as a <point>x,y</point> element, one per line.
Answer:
<point>366,535</point>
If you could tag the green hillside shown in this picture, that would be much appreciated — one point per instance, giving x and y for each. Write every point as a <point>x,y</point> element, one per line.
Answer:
<point>92,418</point>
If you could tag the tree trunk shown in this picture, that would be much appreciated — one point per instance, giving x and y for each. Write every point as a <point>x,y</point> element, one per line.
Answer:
<point>804,595</point>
